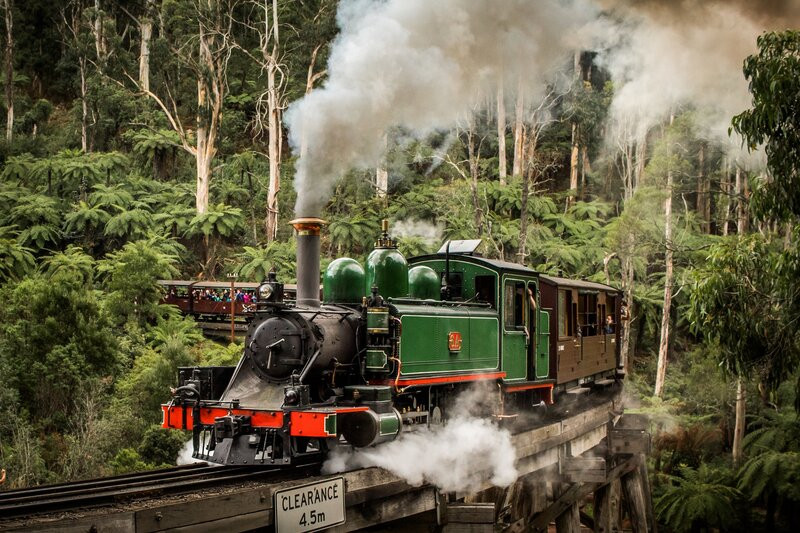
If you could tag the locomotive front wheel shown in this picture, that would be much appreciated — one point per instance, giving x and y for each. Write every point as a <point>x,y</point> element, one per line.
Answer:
<point>435,419</point>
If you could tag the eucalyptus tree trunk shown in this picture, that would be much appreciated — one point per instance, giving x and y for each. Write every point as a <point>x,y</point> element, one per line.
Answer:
<point>519,132</point>
<point>704,191</point>
<point>502,171</point>
<point>381,173</point>
<point>270,49</point>
<point>9,6</point>
<point>725,186</point>
<point>742,194</point>
<point>474,159</point>
<point>84,105</point>
<point>575,144</point>
<point>99,38</point>
<point>523,215</point>
<point>211,84</point>
<point>627,291</point>
<point>573,165</point>
<point>741,391</point>
<point>144,48</point>
<point>738,430</point>
<point>663,346</point>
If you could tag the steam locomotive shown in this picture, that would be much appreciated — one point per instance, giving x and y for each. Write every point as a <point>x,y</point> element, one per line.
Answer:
<point>390,347</point>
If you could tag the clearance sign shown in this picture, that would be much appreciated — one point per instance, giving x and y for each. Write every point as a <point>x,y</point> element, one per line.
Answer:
<point>310,507</point>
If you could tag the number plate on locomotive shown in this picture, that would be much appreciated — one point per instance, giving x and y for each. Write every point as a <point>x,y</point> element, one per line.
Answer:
<point>310,507</point>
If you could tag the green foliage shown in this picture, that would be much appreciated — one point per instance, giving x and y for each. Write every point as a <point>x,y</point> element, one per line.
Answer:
<point>740,271</point>
<point>132,224</point>
<point>85,218</point>
<point>174,330</point>
<point>131,274</point>
<point>771,473</point>
<point>220,220</point>
<point>72,266</point>
<point>701,498</point>
<point>127,461</point>
<point>53,337</point>
<point>354,231</point>
<point>160,446</point>
<point>774,76</point>
<point>16,260</point>
<point>253,264</point>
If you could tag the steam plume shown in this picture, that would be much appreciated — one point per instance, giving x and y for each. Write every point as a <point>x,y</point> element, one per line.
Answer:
<point>420,65</point>
<point>460,456</point>
<point>664,55</point>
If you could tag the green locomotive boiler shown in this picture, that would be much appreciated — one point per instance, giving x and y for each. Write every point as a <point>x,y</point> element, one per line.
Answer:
<point>391,345</point>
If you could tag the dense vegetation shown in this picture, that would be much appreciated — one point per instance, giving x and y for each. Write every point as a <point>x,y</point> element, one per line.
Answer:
<point>111,180</point>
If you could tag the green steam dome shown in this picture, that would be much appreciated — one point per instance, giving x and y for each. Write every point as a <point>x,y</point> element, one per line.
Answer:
<point>387,268</point>
<point>423,283</point>
<point>343,282</point>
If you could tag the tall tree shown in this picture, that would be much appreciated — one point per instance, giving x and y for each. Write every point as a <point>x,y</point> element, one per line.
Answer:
<point>206,52</point>
<point>8,7</point>
<point>536,164</point>
<point>382,173</point>
<point>146,29</point>
<point>663,345</point>
<point>519,131</point>
<point>502,171</point>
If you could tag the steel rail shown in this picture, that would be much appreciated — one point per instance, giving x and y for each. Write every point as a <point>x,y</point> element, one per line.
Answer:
<point>29,502</point>
<point>110,480</point>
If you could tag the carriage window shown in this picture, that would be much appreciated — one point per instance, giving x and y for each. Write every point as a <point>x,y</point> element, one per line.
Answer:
<point>587,314</point>
<point>514,305</point>
<point>484,289</point>
<point>565,311</point>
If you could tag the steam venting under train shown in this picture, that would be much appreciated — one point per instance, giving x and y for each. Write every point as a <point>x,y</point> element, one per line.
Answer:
<point>389,347</point>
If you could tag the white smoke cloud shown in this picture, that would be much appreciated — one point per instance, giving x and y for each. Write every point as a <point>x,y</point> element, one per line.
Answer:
<point>420,65</point>
<point>185,455</point>
<point>423,66</point>
<point>430,233</point>
<point>464,454</point>
<point>667,56</point>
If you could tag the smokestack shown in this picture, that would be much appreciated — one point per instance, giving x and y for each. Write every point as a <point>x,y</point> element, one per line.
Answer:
<point>308,260</point>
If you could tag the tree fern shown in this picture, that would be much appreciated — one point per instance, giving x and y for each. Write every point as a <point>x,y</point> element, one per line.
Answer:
<point>106,196</point>
<point>84,218</point>
<point>700,498</point>
<point>220,220</point>
<point>771,472</point>
<point>72,266</point>
<point>16,260</point>
<point>129,225</point>
<point>254,263</point>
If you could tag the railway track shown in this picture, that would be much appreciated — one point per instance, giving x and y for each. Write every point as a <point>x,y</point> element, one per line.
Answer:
<point>20,504</point>
<point>116,489</point>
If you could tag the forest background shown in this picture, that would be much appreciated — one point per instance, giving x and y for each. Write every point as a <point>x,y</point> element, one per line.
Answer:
<point>146,140</point>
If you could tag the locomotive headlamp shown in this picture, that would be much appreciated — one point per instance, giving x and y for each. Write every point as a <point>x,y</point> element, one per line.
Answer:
<point>291,397</point>
<point>265,291</point>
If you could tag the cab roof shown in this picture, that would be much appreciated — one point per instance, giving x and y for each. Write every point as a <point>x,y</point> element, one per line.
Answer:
<point>494,264</point>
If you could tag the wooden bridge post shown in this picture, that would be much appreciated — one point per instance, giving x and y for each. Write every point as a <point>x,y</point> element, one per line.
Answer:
<point>634,495</point>
<point>570,520</point>
<point>602,509</point>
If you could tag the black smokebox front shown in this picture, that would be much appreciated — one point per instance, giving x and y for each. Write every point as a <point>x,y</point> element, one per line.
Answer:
<point>308,252</point>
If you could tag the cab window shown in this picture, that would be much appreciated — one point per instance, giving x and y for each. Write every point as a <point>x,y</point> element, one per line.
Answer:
<point>485,289</point>
<point>514,305</point>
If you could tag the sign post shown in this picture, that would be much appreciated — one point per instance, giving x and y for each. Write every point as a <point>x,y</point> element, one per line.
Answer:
<point>232,277</point>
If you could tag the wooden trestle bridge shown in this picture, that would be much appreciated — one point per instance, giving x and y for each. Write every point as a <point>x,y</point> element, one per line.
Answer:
<point>597,453</point>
